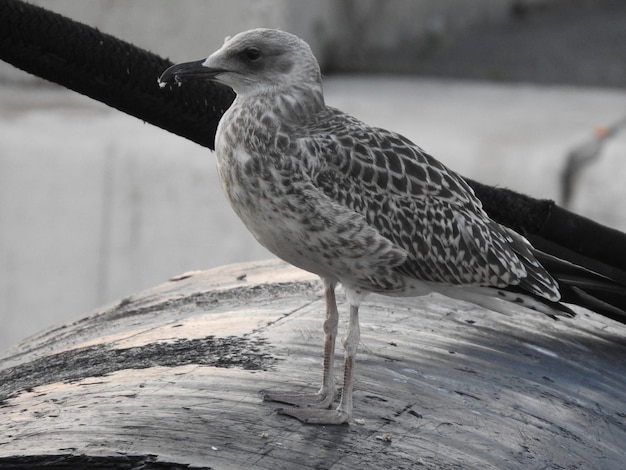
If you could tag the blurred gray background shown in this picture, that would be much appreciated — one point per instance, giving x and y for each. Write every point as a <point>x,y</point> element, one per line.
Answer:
<point>96,205</point>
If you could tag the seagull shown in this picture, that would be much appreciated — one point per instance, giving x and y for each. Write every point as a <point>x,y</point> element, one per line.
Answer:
<point>357,205</point>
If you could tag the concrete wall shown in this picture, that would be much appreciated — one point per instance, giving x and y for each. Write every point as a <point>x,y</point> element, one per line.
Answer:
<point>390,35</point>
<point>344,34</point>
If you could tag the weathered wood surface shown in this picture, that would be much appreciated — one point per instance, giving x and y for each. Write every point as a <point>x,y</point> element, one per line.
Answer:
<point>172,375</point>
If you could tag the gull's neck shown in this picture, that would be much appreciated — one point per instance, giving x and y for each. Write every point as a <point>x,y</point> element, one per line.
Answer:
<point>293,103</point>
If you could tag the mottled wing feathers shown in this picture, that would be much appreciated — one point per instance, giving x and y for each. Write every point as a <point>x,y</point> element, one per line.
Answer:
<point>420,205</point>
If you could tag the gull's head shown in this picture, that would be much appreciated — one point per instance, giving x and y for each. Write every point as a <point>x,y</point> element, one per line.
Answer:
<point>254,61</point>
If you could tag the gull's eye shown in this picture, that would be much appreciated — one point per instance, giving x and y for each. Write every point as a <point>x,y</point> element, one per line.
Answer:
<point>252,54</point>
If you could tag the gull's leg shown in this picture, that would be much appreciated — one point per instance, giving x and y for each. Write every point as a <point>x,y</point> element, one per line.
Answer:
<point>351,344</point>
<point>326,395</point>
<point>329,389</point>
<point>343,413</point>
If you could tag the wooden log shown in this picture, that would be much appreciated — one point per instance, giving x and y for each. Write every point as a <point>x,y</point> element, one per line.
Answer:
<point>169,378</point>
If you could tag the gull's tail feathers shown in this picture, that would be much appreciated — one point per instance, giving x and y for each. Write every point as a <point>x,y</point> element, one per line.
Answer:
<point>586,288</point>
<point>507,300</point>
<point>578,286</point>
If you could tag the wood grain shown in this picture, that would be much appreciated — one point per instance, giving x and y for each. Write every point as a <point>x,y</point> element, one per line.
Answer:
<point>172,375</point>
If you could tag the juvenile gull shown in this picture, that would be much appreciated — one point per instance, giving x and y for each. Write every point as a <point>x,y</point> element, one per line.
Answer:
<point>357,205</point>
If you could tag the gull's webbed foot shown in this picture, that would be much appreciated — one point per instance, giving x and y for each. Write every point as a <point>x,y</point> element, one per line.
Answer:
<point>319,400</point>
<point>317,416</point>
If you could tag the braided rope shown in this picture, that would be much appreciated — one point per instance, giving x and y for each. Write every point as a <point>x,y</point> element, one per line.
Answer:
<point>109,70</point>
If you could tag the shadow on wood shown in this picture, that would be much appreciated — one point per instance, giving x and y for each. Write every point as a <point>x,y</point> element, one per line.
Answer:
<point>169,378</point>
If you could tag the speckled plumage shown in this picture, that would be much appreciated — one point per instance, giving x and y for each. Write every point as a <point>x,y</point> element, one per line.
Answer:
<point>354,204</point>
<point>316,183</point>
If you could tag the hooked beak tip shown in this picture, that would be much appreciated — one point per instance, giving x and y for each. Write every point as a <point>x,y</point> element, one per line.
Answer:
<point>179,72</point>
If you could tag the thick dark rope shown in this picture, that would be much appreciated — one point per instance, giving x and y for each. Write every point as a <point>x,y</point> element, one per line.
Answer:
<point>123,76</point>
<point>107,69</point>
<point>558,231</point>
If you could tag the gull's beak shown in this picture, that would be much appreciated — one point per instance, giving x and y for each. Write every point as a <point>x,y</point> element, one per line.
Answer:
<point>179,72</point>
